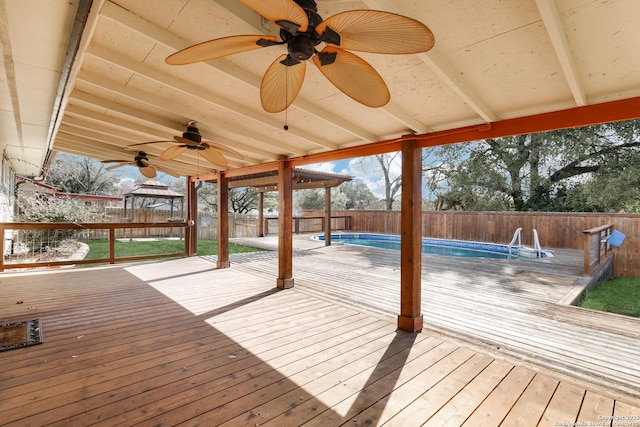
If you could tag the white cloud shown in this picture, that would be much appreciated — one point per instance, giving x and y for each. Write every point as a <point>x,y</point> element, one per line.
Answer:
<point>363,169</point>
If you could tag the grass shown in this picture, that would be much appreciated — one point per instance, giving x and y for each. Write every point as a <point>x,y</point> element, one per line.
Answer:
<point>100,248</point>
<point>620,295</point>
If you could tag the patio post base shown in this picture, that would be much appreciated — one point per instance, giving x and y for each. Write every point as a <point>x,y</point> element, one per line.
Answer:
<point>223,264</point>
<point>285,283</point>
<point>410,324</point>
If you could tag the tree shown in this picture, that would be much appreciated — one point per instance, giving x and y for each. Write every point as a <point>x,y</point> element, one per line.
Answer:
<point>592,168</point>
<point>243,200</point>
<point>314,198</point>
<point>77,174</point>
<point>358,195</point>
<point>389,166</point>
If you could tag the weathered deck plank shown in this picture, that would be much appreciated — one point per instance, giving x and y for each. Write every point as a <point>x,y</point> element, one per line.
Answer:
<point>179,342</point>
<point>509,306</point>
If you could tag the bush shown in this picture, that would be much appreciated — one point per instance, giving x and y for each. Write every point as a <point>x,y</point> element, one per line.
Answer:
<point>40,208</point>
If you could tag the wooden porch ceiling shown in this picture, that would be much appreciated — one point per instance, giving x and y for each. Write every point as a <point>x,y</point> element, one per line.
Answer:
<point>89,77</point>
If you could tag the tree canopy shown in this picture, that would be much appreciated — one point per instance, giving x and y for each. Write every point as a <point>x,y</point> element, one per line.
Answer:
<point>81,175</point>
<point>594,168</point>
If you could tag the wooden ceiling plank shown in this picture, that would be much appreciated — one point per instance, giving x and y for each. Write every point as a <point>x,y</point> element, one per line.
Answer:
<point>553,23</point>
<point>178,85</point>
<point>140,96</point>
<point>155,134</point>
<point>444,71</point>
<point>160,35</point>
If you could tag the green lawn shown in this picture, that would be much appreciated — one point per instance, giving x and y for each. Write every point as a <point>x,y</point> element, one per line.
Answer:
<point>100,248</point>
<point>620,295</point>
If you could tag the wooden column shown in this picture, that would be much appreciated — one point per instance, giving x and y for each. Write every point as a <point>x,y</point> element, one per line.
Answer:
<point>260,230</point>
<point>223,221</point>
<point>285,239</point>
<point>327,215</point>
<point>410,318</point>
<point>191,232</point>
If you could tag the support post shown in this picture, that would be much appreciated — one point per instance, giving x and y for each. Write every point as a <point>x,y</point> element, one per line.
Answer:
<point>285,224</point>
<point>410,318</point>
<point>223,221</point>
<point>260,230</point>
<point>191,234</point>
<point>327,215</point>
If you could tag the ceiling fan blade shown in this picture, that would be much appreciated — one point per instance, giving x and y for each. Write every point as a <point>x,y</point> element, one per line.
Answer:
<point>145,143</point>
<point>186,141</point>
<point>282,12</point>
<point>167,171</point>
<point>119,165</point>
<point>115,161</point>
<point>173,152</point>
<point>353,75</point>
<point>376,32</point>
<point>214,157</point>
<point>218,48</point>
<point>226,150</point>
<point>281,84</point>
<point>148,171</point>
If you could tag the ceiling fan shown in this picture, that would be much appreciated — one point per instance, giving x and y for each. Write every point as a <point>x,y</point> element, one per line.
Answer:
<point>141,160</point>
<point>192,140</point>
<point>302,29</point>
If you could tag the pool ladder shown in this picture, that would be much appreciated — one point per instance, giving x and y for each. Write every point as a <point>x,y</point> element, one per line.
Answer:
<point>517,236</point>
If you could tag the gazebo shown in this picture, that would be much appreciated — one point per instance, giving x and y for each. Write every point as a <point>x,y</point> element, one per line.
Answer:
<point>152,189</point>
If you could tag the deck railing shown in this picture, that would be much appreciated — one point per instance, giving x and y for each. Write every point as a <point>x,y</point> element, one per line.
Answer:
<point>596,247</point>
<point>309,224</point>
<point>32,245</point>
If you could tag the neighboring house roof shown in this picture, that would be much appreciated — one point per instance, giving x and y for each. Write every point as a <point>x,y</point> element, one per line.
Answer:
<point>28,185</point>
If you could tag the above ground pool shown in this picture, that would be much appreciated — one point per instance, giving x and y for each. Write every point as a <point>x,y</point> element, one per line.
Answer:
<point>459,248</point>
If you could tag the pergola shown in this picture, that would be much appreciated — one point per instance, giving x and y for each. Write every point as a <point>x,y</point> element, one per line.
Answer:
<point>268,181</point>
<point>90,78</point>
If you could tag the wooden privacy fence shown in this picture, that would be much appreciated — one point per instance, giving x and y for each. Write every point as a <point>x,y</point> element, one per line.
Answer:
<point>556,230</point>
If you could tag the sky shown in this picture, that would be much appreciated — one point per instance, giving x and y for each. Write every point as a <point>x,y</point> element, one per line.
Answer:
<point>363,169</point>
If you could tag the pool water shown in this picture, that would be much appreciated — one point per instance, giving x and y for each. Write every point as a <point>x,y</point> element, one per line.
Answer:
<point>443,247</point>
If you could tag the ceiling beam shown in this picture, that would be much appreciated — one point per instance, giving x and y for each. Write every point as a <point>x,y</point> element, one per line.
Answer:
<point>614,111</point>
<point>146,133</point>
<point>159,35</point>
<point>193,113</point>
<point>553,23</point>
<point>191,90</point>
<point>444,70</point>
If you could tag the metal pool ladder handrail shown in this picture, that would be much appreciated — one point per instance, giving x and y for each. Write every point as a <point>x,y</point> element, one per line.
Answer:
<point>536,243</point>
<point>516,236</point>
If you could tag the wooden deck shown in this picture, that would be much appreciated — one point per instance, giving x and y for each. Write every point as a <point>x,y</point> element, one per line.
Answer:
<point>180,343</point>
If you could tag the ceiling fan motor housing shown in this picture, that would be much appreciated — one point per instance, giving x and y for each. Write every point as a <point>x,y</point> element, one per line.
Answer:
<point>301,46</point>
<point>192,134</point>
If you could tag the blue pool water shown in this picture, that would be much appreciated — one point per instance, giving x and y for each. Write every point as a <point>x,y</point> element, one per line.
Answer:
<point>456,248</point>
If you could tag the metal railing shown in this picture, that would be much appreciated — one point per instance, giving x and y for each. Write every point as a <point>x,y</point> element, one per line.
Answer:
<point>33,245</point>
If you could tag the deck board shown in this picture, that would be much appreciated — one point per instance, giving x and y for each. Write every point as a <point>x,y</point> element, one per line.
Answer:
<point>508,306</point>
<point>181,343</point>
